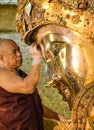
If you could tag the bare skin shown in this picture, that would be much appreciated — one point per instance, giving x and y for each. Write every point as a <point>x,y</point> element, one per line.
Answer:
<point>10,61</point>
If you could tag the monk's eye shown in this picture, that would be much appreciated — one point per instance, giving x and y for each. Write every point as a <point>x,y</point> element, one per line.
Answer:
<point>14,52</point>
<point>19,50</point>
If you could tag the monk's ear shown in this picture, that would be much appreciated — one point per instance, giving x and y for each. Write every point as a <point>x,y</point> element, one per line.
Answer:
<point>1,61</point>
<point>1,57</point>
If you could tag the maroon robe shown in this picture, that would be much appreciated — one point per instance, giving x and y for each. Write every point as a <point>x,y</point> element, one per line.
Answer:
<point>20,111</point>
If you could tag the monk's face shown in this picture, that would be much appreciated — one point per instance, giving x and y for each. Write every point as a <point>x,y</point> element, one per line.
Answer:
<point>11,55</point>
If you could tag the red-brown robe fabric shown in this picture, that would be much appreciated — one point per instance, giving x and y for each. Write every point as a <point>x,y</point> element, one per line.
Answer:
<point>20,111</point>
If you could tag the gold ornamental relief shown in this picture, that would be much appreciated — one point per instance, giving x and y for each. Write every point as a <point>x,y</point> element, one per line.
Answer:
<point>65,28</point>
<point>33,13</point>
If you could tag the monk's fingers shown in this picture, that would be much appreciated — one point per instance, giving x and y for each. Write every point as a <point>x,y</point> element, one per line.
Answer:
<point>43,50</point>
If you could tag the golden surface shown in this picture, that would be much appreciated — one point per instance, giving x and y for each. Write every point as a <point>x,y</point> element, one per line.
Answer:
<point>69,23</point>
<point>33,13</point>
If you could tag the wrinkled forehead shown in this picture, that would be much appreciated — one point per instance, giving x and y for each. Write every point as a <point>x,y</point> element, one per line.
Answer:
<point>7,45</point>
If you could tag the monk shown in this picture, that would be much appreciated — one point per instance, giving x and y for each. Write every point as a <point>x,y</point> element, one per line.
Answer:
<point>20,104</point>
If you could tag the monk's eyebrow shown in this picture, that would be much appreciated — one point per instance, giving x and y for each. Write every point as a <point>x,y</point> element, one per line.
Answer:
<point>15,49</point>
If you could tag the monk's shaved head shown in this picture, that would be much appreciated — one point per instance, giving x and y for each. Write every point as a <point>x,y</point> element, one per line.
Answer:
<point>10,55</point>
<point>5,43</point>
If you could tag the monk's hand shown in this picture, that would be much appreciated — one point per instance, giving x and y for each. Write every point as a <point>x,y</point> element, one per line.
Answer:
<point>35,54</point>
<point>62,118</point>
